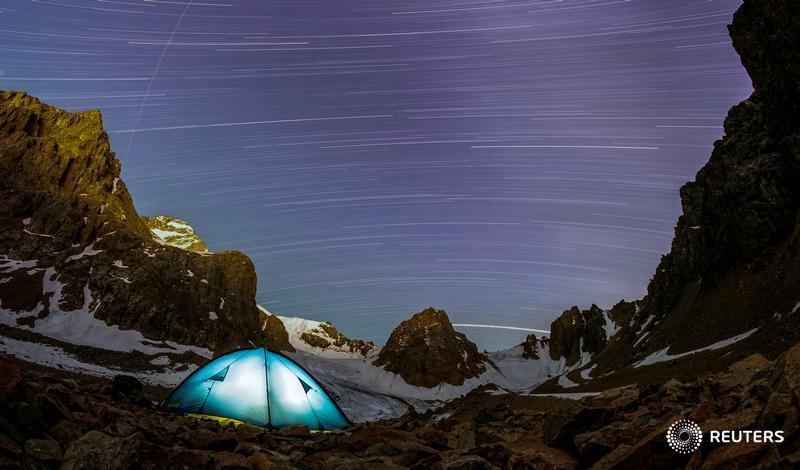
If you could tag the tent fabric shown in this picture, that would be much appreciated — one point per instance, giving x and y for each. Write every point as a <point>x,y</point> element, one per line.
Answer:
<point>260,387</point>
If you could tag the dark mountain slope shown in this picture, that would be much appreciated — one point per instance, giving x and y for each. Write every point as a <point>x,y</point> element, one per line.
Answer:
<point>734,266</point>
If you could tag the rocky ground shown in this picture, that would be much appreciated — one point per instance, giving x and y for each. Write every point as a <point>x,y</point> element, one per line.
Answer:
<point>50,420</point>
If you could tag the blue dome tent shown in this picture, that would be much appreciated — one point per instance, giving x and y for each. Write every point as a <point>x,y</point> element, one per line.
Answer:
<point>257,386</point>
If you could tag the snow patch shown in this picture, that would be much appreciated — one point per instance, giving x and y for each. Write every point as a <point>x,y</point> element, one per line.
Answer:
<point>610,327</point>
<point>7,264</point>
<point>87,251</point>
<point>663,355</point>
<point>564,382</point>
<point>161,361</point>
<point>82,328</point>
<point>55,357</point>
<point>37,234</point>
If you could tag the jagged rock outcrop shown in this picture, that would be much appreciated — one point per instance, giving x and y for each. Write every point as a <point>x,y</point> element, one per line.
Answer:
<point>274,331</point>
<point>175,232</point>
<point>71,242</point>
<point>576,333</point>
<point>326,336</point>
<point>426,351</point>
<point>734,265</point>
<point>533,347</point>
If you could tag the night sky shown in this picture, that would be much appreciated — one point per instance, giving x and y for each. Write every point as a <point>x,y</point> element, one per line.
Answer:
<point>502,160</point>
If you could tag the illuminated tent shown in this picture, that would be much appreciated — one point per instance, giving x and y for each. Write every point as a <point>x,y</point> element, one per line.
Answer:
<point>260,387</point>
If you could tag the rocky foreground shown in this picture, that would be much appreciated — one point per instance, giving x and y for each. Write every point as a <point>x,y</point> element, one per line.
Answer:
<point>48,420</point>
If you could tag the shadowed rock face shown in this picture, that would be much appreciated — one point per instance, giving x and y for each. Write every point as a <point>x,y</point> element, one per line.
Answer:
<point>734,264</point>
<point>532,347</point>
<point>67,215</point>
<point>426,351</point>
<point>576,332</point>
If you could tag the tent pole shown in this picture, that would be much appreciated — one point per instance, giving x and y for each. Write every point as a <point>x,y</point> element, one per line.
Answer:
<point>266,384</point>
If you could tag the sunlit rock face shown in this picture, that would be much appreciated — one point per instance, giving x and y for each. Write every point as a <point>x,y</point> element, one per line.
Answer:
<point>71,243</point>
<point>175,232</point>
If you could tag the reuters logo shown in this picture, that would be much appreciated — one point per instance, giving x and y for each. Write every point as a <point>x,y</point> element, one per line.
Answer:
<point>684,436</point>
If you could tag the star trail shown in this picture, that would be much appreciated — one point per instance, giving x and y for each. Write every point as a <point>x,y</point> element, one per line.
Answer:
<point>502,160</point>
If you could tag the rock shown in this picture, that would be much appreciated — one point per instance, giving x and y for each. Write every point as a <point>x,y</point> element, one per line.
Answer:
<point>209,440</point>
<point>532,346</point>
<point>577,332</point>
<point>175,232</point>
<point>650,450</point>
<point>8,446</point>
<point>229,460</point>
<point>9,429</point>
<point>295,431</point>
<point>426,351</point>
<point>327,337</point>
<point>594,445</point>
<point>260,461</point>
<point>402,452</point>
<point>274,331</point>
<point>98,450</point>
<point>618,398</point>
<point>433,437</point>
<point>52,410</point>
<point>11,375</point>
<point>66,431</point>
<point>126,386</point>
<point>46,450</point>
<point>742,371</point>
<point>366,435</point>
<point>739,455</point>
<point>28,421</point>
<point>780,413</point>
<point>467,462</point>
<point>787,372</point>
<point>561,428</point>
<point>742,419</point>
<point>526,454</point>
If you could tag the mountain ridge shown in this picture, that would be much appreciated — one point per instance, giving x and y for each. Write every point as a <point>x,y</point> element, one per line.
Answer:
<point>737,242</point>
<point>73,242</point>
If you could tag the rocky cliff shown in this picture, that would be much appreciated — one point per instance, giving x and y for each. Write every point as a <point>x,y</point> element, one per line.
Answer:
<point>734,267</point>
<point>426,351</point>
<point>72,246</point>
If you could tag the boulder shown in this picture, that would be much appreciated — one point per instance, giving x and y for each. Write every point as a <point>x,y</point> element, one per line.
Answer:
<point>46,450</point>
<point>426,351</point>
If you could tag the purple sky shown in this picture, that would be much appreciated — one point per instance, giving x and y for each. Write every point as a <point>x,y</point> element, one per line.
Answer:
<point>502,160</point>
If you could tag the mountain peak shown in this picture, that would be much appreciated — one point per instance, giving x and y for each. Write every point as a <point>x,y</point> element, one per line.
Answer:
<point>72,240</point>
<point>427,351</point>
